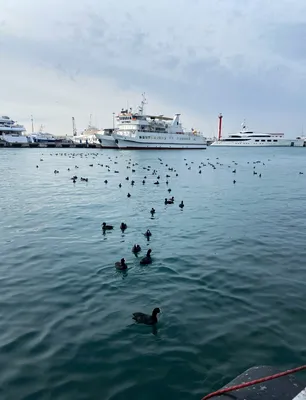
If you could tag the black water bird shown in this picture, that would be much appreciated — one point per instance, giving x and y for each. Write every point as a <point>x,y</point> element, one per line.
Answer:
<point>147,259</point>
<point>181,205</point>
<point>136,249</point>
<point>148,234</point>
<point>146,319</point>
<point>123,226</point>
<point>106,227</point>
<point>128,195</point>
<point>121,265</point>
<point>152,211</point>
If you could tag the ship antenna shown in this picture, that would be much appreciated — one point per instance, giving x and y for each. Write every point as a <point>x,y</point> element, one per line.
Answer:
<point>32,123</point>
<point>74,130</point>
<point>143,102</point>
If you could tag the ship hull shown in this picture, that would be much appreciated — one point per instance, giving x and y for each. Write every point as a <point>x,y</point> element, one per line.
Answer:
<point>107,142</point>
<point>126,143</point>
<point>15,139</point>
<point>252,143</point>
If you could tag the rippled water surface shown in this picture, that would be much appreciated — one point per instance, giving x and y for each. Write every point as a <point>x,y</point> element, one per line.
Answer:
<point>228,271</point>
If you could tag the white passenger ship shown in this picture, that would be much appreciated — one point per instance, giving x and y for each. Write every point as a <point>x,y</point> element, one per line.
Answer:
<point>11,132</point>
<point>106,138</point>
<point>247,138</point>
<point>137,130</point>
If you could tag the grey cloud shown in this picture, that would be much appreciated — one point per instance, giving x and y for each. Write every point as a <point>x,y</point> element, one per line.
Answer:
<point>200,83</point>
<point>97,46</point>
<point>287,40</point>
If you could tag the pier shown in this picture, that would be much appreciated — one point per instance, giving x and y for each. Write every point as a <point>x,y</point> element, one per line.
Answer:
<point>52,145</point>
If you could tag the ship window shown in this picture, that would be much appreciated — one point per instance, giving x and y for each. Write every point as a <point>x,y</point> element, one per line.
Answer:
<point>269,140</point>
<point>274,140</point>
<point>263,140</point>
<point>256,140</point>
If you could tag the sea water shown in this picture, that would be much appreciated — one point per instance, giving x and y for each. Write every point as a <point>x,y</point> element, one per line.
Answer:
<point>228,270</point>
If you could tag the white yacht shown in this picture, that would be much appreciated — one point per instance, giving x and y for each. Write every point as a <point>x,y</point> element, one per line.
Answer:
<point>248,138</point>
<point>106,138</point>
<point>11,132</point>
<point>136,130</point>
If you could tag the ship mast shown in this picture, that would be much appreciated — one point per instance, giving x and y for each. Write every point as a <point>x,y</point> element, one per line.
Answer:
<point>32,121</point>
<point>142,104</point>
<point>74,130</point>
<point>220,126</point>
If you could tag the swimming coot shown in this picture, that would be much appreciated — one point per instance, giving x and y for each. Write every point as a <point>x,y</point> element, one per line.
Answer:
<point>136,249</point>
<point>142,318</point>
<point>147,259</point>
<point>121,264</point>
<point>107,227</point>
<point>148,233</point>
<point>123,226</point>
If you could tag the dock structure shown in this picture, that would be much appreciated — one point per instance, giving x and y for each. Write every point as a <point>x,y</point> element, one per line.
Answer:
<point>52,145</point>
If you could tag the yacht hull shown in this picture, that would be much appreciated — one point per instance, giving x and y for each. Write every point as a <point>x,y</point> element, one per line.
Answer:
<point>252,143</point>
<point>15,139</point>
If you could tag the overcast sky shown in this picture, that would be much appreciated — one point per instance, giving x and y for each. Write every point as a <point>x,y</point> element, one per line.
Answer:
<point>244,58</point>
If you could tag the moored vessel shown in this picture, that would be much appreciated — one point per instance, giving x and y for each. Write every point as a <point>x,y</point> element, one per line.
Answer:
<point>12,133</point>
<point>137,130</point>
<point>249,138</point>
<point>106,138</point>
<point>87,136</point>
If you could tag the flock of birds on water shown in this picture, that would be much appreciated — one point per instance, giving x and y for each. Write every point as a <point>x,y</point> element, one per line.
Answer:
<point>121,265</point>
